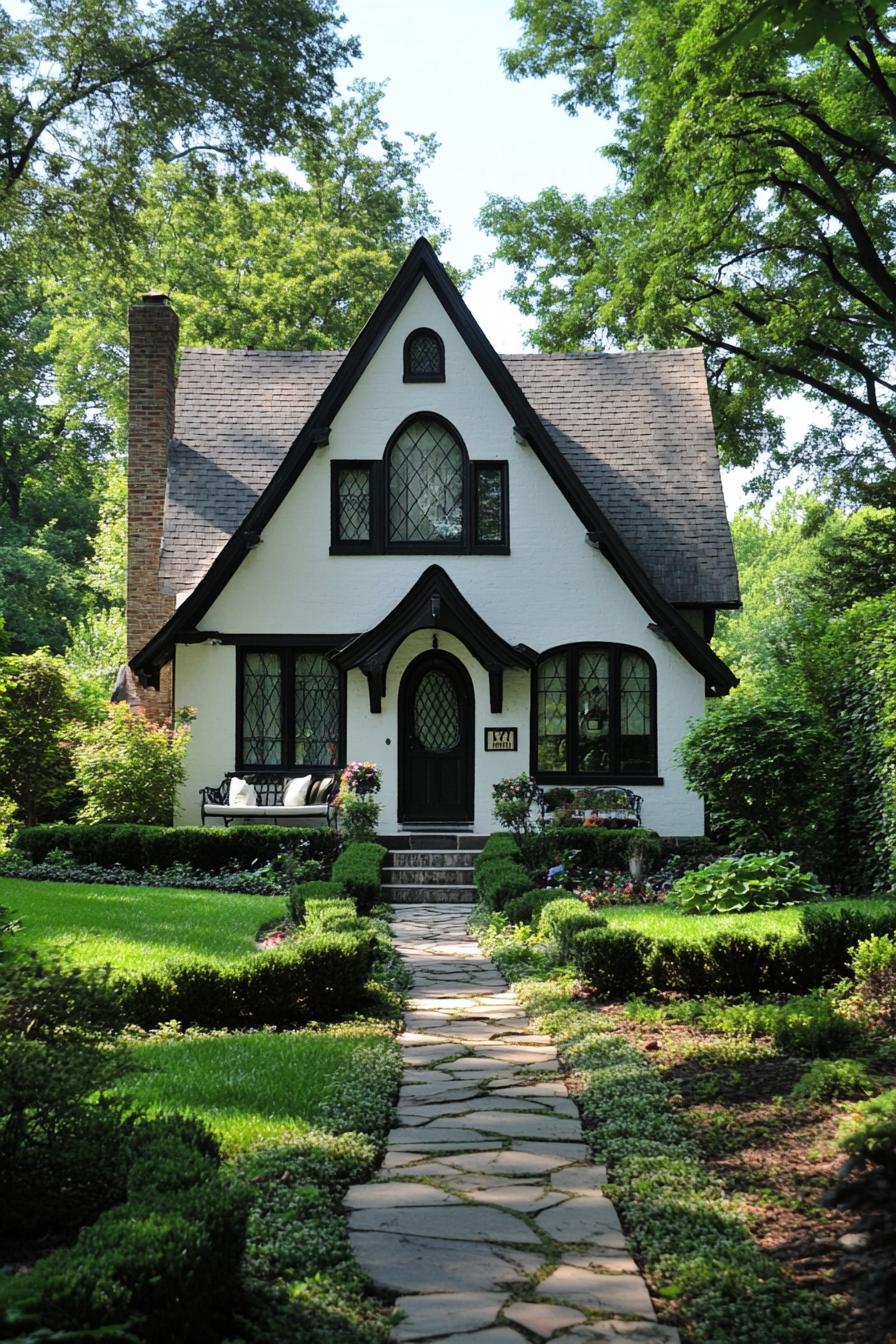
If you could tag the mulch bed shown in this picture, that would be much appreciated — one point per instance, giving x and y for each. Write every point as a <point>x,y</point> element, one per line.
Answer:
<point>778,1157</point>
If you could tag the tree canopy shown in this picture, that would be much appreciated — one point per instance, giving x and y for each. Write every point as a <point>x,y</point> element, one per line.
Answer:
<point>90,89</point>
<point>753,213</point>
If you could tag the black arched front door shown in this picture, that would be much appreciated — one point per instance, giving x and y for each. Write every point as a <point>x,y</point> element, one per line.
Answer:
<point>435,741</point>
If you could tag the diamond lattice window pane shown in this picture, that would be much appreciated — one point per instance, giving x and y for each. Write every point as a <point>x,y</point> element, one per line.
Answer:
<point>426,473</point>
<point>424,355</point>
<point>354,504</point>
<point>437,713</point>
<point>317,710</point>
<point>262,709</point>
<point>552,713</point>
<point>489,505</point>
<point>594,711</point>
<point>635,715</point>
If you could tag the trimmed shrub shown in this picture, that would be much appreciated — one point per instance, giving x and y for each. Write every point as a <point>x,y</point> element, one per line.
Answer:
<point>298,899</point>
<point>748,882</point>
<point>596,846</point>
<point>358,870</point>
<point>497,846</point>
<point>501,880</point>
<point>336,912</point>
<point>831,934</point>
<point>526,909</point>
<point>207,848</point>
<point>562,919</point>
<point>612,962</point>
<point>162,1266</point>
<point>723,963</point>
<point>318,976</point>
<point>60,1153</point>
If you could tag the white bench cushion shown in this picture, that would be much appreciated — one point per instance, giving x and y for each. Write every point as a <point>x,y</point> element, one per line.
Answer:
<point>225,810</point>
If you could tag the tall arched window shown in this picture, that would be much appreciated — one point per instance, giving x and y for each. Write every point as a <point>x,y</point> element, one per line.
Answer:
<point>426,473</point>
<point>594,714</point>
<point>424,494</point>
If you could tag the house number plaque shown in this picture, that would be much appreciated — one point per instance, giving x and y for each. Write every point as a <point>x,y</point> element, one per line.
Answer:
<point>501,739</point>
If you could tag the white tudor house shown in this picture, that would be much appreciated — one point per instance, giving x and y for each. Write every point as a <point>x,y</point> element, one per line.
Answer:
<point>390,553</point>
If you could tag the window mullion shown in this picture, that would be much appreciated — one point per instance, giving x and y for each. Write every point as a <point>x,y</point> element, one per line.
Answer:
<point>615,698</point>
<point>288,674</point>
<point>572,712</point>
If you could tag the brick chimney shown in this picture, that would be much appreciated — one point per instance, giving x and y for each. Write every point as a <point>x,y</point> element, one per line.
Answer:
<point>153,329</point>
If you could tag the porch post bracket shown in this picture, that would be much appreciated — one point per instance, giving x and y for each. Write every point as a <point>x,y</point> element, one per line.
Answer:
<point>376,685</point>
<point>496,689</point>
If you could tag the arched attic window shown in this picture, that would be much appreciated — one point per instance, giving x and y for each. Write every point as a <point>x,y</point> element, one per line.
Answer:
<point>424,357</point>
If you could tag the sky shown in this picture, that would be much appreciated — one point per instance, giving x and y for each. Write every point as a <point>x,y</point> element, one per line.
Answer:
<point>444,72</point>
<point>496,135</point>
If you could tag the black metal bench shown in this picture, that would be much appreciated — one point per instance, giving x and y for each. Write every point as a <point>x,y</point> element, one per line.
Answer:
<point>622,804</point>
<point>269,807</point>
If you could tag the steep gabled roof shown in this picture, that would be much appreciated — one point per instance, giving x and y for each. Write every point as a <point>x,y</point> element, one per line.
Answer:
<point>553,453</point>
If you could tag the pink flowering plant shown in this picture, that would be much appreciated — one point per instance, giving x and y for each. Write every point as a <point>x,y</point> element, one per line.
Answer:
<point>358,809</point>
<point>362,778</point>
<point>514,800</point>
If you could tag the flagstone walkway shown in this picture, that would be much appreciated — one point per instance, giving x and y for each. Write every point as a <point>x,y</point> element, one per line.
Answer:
<point>487,1220</point>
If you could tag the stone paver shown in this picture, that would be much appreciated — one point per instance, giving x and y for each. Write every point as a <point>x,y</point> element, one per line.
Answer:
<point>488,1220</point>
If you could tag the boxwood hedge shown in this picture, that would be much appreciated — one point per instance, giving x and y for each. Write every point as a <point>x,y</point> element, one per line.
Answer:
<point>161,1266</point>
<point>207,848</point>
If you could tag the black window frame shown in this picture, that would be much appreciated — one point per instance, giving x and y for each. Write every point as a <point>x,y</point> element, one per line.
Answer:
<point>378,483</point>
<point>288,654</point>
<point>614,775</point>
<point>407,375</point>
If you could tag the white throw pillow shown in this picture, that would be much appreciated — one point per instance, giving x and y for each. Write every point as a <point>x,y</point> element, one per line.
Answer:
<point>296,792</point>
<point>241,793</point>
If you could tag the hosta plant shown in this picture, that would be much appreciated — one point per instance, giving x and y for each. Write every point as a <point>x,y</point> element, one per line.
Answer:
<point>746,882</point>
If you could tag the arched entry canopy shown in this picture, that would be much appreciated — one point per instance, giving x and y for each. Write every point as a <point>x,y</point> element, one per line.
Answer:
<point>434,603</point>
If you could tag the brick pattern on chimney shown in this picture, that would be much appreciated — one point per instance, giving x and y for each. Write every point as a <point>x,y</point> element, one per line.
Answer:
<point>153,328</point>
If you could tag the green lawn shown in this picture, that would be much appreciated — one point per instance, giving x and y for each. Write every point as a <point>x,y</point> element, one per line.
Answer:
<point>250,1087</point>
<point>662,922</point>
<point>135,928</point>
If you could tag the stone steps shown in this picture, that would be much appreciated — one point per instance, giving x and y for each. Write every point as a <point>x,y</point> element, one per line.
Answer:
<point>439,871</point>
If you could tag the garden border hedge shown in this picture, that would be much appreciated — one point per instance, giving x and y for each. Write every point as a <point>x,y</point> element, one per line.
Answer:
<point>317,977</point>
<point>616,962</point>
<point>206,848</point>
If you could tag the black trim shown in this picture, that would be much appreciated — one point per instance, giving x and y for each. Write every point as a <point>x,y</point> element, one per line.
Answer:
<point>378,471</point>
<point>614,775</point>
<point>338,546</point>
<point>407,375</point>
<point>422,262</point>
<point>433,603</point>
<point>286,653</point>
<point>313,643</point>
<point>502,546</point>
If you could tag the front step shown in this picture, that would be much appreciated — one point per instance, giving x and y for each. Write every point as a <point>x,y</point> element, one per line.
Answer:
<point>433,840</point>
<point>438,873</point>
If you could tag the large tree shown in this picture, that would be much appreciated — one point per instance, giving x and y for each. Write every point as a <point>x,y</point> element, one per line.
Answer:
<point>289,255</point>
<point>90,89</point>
<point>753,214</point>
